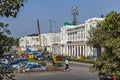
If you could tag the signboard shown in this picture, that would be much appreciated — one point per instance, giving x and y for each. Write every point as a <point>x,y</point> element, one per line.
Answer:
<point>67,24</point>
<point>59,58</point>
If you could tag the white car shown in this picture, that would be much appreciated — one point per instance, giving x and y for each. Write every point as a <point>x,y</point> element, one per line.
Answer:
<point>4,61</point>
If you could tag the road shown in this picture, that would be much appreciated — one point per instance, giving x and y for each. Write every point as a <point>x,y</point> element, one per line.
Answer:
<point>80,71</point>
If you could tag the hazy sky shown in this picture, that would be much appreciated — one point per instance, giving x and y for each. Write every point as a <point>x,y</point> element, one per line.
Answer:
<point>58,11</point>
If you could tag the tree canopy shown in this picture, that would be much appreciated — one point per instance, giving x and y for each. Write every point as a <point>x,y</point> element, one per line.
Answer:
<point>8,8</point>
<point>107,35</point>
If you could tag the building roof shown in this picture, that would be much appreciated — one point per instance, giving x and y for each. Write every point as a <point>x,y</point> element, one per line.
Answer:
<point>94,18</point>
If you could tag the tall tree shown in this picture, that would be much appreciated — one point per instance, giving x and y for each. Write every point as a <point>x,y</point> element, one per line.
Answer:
<point>17,42</point>
<point>8,8</point>
<point>107,35</point>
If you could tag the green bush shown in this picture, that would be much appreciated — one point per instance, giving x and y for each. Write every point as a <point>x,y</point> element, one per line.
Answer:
<point>81,60</point>
<point>58,64</point>
<point>39,62</point>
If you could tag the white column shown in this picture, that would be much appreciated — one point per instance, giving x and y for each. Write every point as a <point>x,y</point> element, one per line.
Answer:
<point>64,49</point>
<point>67,50</point>
<point>61,50</point>
<point>74,51</point>
<point>86,51</point>
<point>80,49</point>
<point>89,50</point>
<point>70,50</point>
<point>57,49</point>
<point>77,51</point>
<point>83,51</point>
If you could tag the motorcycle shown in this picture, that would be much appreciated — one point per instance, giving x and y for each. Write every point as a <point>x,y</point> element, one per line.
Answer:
<point>105,76</point>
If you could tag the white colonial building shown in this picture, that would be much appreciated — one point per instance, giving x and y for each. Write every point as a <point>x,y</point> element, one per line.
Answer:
<point>71,40</point>
<point>30,42</point>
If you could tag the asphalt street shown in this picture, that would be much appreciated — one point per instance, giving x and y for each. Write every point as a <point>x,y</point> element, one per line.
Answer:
<point>79,71</point>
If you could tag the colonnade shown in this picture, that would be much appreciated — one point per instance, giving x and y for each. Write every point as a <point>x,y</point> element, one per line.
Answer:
<point>77,50</point>
<point>74,50</point>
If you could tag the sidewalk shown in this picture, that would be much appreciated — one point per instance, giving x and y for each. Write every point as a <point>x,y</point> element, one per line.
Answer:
<point>81,63</point>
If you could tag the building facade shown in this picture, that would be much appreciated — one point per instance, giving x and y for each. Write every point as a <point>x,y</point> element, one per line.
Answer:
<point>29,42</point>
<point>71,40</point>
<point>74,41</point>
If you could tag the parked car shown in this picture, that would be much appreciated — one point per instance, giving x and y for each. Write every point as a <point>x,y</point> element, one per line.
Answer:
<point>40,57</point>
<point>3,60</point>
<point>17,60</point>
<point>16,65</point>
<point>7,56</point>
<point>6,67</point>
<point>34,67</point>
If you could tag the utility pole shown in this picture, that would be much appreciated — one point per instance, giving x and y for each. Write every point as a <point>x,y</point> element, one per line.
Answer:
<point>39,36</point>
<point>51,21</point>
<point>50,26</point>
<point>55,26</point>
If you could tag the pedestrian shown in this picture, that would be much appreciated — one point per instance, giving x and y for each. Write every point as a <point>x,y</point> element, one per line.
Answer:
<point>66,64</point>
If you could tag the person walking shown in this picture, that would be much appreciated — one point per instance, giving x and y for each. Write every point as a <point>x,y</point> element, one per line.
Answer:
<point>66,64</point>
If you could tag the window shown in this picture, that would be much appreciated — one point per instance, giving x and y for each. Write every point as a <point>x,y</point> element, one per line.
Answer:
<point>75,35</point>
<point>34,66</point>
<point>78,35</point>
<point>90,26</point>
<point>68,36</point>
<point>81,34</point>
<point>39,65</point>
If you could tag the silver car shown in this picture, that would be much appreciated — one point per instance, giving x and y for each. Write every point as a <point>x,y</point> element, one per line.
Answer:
<point>34,67</point>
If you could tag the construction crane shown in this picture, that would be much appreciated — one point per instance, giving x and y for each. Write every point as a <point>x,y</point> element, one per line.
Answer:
<point>39,36</point>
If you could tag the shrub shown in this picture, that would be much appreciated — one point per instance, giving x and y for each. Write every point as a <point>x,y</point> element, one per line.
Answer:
<point>81,60</point>
<point>39,62</point>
